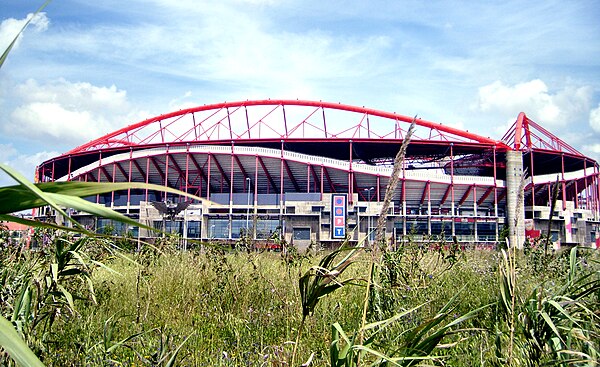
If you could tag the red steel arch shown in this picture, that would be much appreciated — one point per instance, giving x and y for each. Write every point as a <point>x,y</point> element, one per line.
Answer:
<point>527,135</point>
<point>216,124</point>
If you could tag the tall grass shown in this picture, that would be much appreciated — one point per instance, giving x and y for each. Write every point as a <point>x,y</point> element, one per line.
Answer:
<point>233,308</point>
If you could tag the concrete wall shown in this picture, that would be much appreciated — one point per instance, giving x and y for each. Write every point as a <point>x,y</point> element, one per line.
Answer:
<point>515,210</point>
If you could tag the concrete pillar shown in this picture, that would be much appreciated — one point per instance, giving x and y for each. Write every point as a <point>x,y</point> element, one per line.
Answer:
<point>515,205</point>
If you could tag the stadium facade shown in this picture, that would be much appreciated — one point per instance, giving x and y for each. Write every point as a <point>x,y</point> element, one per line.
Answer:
<point>319,171</point>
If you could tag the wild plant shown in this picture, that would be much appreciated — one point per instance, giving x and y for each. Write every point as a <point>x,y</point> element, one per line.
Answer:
<point>557,324</point>
<point>14,346</point>
<point>52,287</point>
<point>102,352</point>
<point>321,280</point>
<point>49,284</point>
<point>293,259</point>
<point>415,264</point>
<point>410,347</point>
<point>393,183</point>
<point>166,350</point>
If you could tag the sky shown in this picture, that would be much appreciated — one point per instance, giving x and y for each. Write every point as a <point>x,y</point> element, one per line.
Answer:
<point>85,68</point>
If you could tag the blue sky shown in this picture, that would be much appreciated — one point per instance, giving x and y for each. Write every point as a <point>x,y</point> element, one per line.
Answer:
<point>83,69</point>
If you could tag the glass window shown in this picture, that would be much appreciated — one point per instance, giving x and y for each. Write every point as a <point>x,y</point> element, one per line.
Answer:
<point>218,228</point>
<point>174,227</point>
<point>301,234</point>
<point>463,228</point>
<point>239,227</point>
<point>267,228</point>
<point>486,232</point>
<point>416,227</point>
<point>111,227</point>
<point>193,229</point>
<point>438,228</point>
<point>398,230</point>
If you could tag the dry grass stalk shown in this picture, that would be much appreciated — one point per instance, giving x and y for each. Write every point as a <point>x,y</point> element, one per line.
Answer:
<point>389,193</point>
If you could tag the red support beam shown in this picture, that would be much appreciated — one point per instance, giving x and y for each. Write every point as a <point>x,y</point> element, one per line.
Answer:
<point>355,184</point>
<point>425,191</point>
<point>267,174</point>
<point>158,169</point>
<point>314,174</point>
<point>134,134</point>
<point>291,175</point>
<point>220,168</point>
<point>121,169</point>
<point>200,171</point>
<point>446,194</point>
<point>240,166</point>
<point>466,195</point>
<point>139,168</point>
<point>326,174</point>
<point>502,195</point>
<point>106,174</point>
<point>182,173</point>
<point>485,195</point>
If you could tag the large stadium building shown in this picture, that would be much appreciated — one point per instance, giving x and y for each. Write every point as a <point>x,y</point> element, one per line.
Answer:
<point>318,172</point>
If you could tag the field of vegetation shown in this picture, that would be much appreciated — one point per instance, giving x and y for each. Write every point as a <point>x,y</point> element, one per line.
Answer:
<point>83,301</point>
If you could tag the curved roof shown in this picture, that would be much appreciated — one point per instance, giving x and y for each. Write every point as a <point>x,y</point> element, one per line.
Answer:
<point>325,129</point>
<point>278,119</point>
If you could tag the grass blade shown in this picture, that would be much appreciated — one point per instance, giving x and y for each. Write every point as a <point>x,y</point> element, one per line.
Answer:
<point>14,41</point>
<point>34,191</point>
<point>18,197</point>
<point>16,347</point>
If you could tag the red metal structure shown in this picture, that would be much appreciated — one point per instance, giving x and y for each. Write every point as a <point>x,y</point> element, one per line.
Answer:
<point>229,151</point>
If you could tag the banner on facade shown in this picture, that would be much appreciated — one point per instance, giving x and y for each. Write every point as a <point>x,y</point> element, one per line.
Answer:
<point>339,208</point>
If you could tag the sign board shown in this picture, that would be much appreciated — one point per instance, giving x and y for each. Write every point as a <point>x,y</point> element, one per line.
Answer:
<point>339,209</point>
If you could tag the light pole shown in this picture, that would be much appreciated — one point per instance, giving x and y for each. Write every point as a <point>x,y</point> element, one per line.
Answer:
<point>248,208</point>
<point>369,211</point>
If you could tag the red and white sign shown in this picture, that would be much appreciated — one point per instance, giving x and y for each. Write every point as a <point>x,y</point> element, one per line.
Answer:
<point>338,209</point>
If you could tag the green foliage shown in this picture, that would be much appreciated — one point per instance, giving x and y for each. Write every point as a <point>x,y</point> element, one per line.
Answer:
<point>417,344</point>
<point>239,308</point>
<point>554,323</point>
<point>44,286</point>
<point>323,279</point>
<point>59,195</point>
<point>15,346</point>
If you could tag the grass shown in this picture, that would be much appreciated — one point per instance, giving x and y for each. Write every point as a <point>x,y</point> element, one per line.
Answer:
<point>218,308</point>
<point>240,312</point>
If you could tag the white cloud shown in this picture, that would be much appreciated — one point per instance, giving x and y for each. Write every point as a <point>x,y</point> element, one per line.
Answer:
<point>552,109</point>
<point>226,43</point>
<point>24,163</point>
<point>6,152</point>
<point>592,150</point>
<point>182,103</point>
<point>595,119</point>
<point>68,113</point>
<point>9,28</point>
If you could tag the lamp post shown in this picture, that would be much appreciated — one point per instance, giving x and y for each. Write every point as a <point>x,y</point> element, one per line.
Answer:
<point>248,208</point>
<point>368,191</point>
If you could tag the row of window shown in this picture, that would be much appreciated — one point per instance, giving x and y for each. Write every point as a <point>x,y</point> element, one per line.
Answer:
<point>267,228</point>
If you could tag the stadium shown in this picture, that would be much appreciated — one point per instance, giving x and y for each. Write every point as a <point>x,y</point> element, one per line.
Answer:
<point>317,172</point>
